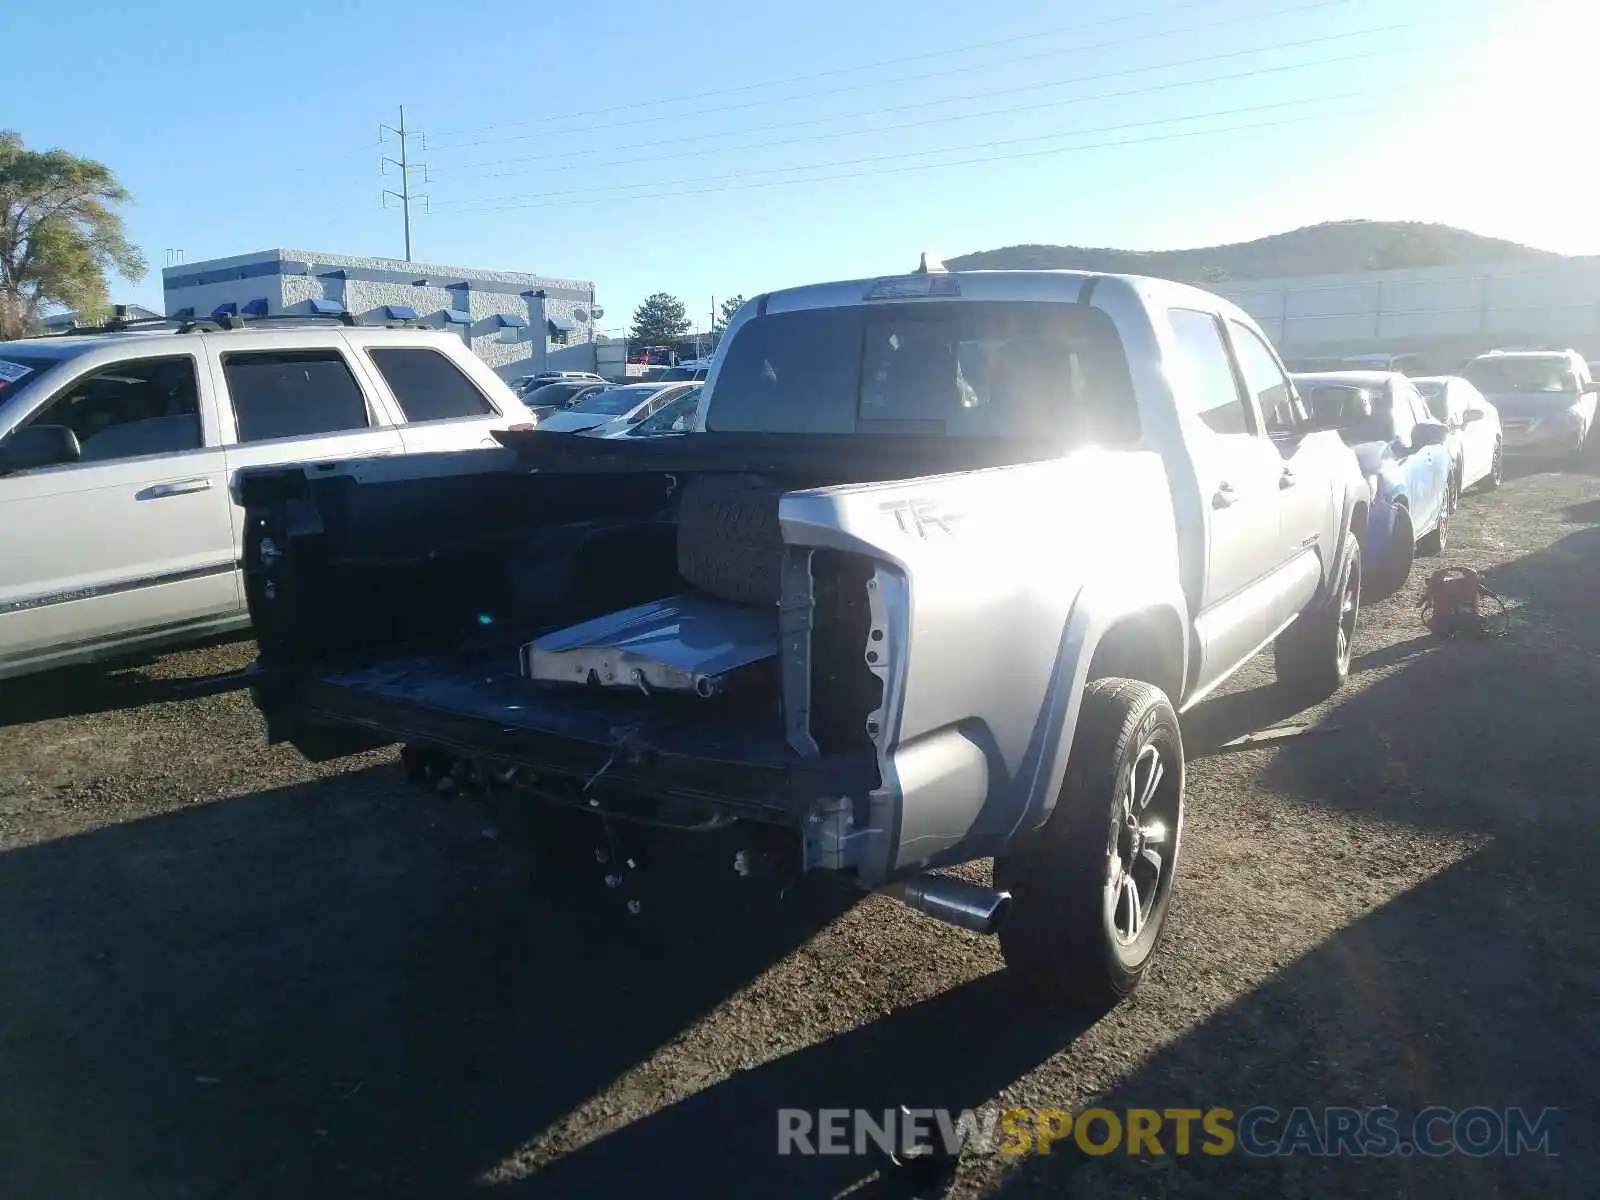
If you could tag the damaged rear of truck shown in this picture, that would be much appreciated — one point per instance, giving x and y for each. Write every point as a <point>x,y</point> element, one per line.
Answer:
<point>918,591</point>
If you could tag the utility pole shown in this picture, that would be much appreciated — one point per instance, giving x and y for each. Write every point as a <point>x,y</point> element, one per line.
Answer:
<point>406,166</point>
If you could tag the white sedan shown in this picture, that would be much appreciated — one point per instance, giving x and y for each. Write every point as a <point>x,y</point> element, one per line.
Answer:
<point>613,408</point>
<point>674,415</point>
<point>1474,428</point>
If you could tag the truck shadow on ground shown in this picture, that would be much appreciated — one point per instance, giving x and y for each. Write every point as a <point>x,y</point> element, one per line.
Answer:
<point>1476,987</point>
<point>331,989</point>
<point>106,687</point>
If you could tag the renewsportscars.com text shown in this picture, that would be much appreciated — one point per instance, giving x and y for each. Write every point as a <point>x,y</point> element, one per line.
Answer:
<point>1259,1132</point>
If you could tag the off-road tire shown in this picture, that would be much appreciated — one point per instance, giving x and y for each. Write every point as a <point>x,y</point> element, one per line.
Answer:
<point>729,542</point>
<point>1058,938</point>
<point>1312,656</point>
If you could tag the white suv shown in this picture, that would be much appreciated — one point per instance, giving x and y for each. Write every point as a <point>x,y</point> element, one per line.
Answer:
<point>117,449</point>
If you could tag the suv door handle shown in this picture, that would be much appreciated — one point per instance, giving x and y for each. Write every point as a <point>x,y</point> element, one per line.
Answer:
<point>1224,496</point>
<point>179,488</point>
<point>1287,479</point>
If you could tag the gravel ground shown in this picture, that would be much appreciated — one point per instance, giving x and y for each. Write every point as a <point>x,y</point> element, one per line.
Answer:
<point>227,973</point>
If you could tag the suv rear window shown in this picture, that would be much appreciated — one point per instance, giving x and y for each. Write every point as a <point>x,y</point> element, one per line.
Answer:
<point>293,393</point>
<point>428,385</point>
<point>967,368</point>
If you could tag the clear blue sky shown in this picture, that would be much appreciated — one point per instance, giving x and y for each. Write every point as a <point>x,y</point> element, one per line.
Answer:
<point>660,148</point>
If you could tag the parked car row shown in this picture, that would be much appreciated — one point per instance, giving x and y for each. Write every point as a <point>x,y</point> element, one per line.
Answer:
<point>1424,442</point>
<point>1406,455</point>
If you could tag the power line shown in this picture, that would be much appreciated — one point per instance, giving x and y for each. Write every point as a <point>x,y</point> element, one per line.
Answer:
<point>1388,93</point>
<point>834,71</point>
<point>1121,73</point>
<point>914,154</point>
<point>925,121</point>
<point>854,87</point>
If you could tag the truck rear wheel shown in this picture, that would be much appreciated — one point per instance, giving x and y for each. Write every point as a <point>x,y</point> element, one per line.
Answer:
<point>1313,654</point>
<point>1091,889</point>
<point>729,542</point>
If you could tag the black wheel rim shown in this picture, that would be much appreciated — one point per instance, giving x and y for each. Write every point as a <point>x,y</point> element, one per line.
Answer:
<point>1143,844</point>
<point>1495,466</point>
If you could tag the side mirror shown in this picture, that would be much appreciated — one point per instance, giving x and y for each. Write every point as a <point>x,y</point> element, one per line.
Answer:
<point>1429,433</point>
<point>39,446</point>
<point>1471,415</point>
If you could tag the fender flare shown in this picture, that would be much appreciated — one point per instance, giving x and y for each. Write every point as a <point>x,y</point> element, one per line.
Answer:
<point>1094,613</point>
<point>1355,494</point>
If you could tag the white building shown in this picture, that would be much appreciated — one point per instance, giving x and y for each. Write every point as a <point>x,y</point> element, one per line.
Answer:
<point>516,322</point>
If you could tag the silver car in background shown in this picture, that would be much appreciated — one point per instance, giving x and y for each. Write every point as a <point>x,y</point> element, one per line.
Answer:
<point>1546,398</point>
<point>675,415</point>
<point>613,409</point>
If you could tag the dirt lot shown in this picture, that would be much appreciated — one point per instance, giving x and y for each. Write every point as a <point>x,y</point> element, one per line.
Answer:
<point>224,973</point>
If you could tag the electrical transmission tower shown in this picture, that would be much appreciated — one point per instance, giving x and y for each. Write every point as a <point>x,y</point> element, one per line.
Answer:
<point>405,195</point>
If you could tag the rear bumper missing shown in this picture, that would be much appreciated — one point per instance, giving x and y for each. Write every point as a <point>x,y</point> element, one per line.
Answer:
<point>752,780</point>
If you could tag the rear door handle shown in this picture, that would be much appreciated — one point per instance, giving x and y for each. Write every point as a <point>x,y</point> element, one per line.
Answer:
<point>1225,496</point>
<point>181,487</point>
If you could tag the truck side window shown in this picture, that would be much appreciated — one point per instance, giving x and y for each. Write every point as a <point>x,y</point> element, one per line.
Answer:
<point>1264,379</point>
<point>1207,386</point>
<point>293,393</point>
<point>428,386</point>
<point>147,406</point>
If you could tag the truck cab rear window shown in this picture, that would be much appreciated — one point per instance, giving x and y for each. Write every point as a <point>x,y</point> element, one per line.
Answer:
<point>968,368</point>
<point>293,393</point>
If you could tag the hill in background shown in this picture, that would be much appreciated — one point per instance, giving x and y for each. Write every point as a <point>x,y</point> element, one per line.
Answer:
<point>1327,249</point>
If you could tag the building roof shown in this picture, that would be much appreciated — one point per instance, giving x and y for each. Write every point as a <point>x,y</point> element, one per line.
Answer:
<point>65,320</point>
<point>437,274</point>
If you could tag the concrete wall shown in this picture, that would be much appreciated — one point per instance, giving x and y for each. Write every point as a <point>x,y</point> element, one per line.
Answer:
<point>289,280</point>
<point>611,358</point>
<point>1428,307</point>
<point>560,358</point>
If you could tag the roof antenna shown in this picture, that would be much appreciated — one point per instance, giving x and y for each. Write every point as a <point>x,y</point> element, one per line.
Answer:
<point>926,266</point>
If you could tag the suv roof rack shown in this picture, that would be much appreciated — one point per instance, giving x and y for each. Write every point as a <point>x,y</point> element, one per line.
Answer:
<point>119,322</point>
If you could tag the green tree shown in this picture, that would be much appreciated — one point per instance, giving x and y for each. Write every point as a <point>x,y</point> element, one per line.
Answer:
<point>60,234</point>
<point>660,319</point>
<point>726,311</point>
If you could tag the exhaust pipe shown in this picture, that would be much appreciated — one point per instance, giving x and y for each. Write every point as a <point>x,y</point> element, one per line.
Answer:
<point>965,905</point>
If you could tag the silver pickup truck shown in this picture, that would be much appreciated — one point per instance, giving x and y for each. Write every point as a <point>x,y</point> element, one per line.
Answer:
<point>929,582</point>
